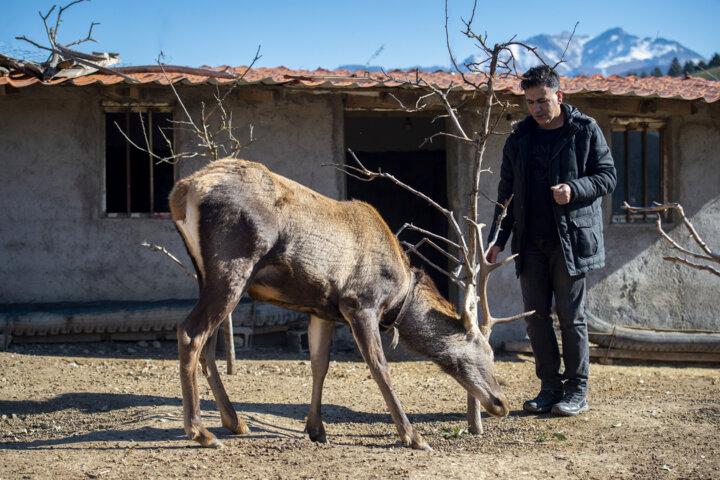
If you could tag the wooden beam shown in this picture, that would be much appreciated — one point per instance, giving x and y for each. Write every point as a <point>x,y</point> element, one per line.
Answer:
<point>228,333</point>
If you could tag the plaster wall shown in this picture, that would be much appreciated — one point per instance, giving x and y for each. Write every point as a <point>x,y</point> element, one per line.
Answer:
<point>56,244</point>
<point>637,287</point>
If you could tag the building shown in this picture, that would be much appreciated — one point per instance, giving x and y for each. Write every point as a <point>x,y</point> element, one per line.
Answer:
<point>78,201</point>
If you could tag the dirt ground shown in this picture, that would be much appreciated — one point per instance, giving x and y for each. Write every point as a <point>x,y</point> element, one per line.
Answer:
<point>113,410</point>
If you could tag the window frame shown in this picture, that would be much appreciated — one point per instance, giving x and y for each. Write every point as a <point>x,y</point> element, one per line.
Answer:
<point>643,125</point>
<point>130,108</point>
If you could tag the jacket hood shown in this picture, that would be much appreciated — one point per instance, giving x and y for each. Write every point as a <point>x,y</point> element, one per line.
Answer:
<point>572,116</point>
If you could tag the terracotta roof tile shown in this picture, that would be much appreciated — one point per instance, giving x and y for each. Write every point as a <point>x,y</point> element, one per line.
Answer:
<point>693,88</point>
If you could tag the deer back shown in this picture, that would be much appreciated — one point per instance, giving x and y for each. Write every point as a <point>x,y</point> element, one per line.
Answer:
<point>307,251</point>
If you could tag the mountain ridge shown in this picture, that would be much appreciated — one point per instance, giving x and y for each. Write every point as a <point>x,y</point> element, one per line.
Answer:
<point>611,52</point>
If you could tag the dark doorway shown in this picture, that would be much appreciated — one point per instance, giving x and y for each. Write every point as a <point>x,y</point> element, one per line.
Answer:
<point>392,143</point>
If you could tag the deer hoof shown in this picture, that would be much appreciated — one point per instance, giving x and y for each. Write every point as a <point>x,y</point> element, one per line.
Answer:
<point>420,446</point>
<point>419,443</point>
<point>207,440</point>
<point>216,444</point>
<point>316,434</point>
<point>239,428</point>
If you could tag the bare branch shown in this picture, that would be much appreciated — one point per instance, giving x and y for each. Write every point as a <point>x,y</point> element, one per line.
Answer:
<point>447,213</point>
<point>448,135</point>
<point>709,254</point>
<point>567,45</point>
<point>498,222</point>
<point>49,30</point>
<point>172,159</point>
<point>417,108</point>
<point>414,249</point>
<point>696,266</point>
<point>86,39</point>
<point>688,225</point>
<point>172,257</point>
<point>410,226</point>
<point>35,44</point>
<point>65,52</point>
<point>24,66</point>
<point>441,250</point>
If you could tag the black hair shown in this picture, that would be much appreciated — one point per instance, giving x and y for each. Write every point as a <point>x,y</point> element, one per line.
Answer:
<point>540,76</point>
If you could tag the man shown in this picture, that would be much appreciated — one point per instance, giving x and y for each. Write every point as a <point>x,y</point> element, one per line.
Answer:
<point>557,165</point>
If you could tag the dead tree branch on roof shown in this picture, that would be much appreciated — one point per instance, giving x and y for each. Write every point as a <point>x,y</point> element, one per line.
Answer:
<point>707,256</point>
<point>63,61</point>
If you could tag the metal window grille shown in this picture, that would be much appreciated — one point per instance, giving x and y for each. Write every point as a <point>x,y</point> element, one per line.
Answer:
<point>136,184</point>
<point>637,149</point>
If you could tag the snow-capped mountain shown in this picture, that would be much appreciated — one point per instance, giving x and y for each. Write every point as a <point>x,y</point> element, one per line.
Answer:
<point>613,51</point>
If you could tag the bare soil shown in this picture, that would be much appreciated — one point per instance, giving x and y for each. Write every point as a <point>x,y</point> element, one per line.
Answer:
<point>113,410</point>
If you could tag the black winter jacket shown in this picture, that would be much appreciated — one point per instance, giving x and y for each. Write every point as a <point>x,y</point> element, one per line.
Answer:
<point>581,159</point>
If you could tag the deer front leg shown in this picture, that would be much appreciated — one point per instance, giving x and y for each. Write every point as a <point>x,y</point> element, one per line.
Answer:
<point>473,415</point>
<point>319,338</point>
<point>365,330</point>
<point>228,415</point>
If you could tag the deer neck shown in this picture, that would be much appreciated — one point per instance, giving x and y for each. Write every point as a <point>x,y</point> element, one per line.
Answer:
<point>430,322</point>
<point>401,312</point>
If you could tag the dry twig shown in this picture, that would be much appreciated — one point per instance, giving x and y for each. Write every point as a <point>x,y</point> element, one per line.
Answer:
<point>218,142</point>
<point>708,255</point>
<point>473,270</point>
<point>63,59</point>
<point>172,257</point>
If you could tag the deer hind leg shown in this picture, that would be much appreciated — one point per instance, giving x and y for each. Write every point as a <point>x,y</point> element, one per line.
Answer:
<point>319,337</point>
<point>228,415</point>
<point>217,299</point>
<point>364,325</point>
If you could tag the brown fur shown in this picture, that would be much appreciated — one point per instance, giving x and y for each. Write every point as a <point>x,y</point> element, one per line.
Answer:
<point>282,243</point>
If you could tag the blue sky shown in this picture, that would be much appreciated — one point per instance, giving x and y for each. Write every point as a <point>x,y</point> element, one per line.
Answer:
<point>310,34</point>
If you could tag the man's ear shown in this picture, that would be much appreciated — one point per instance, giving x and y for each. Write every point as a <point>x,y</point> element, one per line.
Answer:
<point>559,96</point>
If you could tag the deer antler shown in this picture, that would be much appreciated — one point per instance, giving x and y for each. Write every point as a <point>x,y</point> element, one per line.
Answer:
<point>484,269</point>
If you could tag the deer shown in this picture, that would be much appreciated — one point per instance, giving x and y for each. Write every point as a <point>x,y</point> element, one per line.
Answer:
<point>249,230</point>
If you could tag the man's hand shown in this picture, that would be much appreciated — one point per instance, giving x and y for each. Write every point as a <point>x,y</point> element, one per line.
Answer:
<point>561,193</point>
<point>492,254</point>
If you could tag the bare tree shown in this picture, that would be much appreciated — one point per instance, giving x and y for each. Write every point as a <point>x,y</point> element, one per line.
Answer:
<point>213,128</point>
<point>63,61</point>
<point>466,249</point>
<point>216,139</point>
<point>707,256</point>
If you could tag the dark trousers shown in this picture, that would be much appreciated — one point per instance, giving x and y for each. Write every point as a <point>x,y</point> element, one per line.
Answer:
<point>544,275</point>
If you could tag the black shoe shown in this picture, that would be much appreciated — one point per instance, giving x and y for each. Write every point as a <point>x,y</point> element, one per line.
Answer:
<point>543,402</point>
<point>570,405</point>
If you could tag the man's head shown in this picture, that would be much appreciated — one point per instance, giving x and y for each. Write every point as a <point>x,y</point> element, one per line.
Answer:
<point>543,96</point>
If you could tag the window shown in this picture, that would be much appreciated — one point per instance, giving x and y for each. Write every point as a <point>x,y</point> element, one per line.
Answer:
<point>637,148</point>
<point>136,184</point>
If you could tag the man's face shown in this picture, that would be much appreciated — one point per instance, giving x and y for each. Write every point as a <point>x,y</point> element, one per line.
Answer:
<point>544,105</point>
